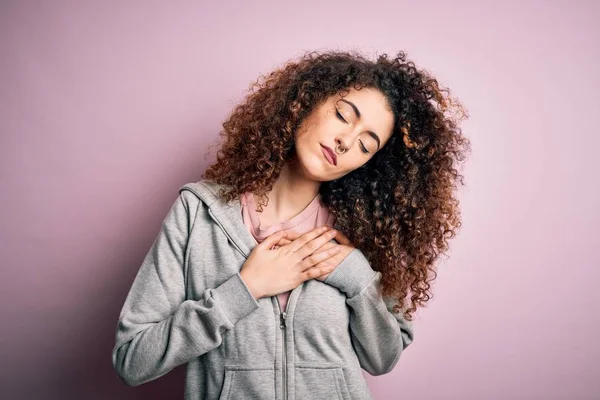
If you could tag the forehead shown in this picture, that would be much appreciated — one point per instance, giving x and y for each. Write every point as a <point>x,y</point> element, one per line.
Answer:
<point>375,112</point>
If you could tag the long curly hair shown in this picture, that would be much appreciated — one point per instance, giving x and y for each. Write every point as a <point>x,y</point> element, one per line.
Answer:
<point>398,208</point>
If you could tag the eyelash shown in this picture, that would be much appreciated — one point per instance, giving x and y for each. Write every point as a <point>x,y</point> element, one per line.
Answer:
<point>364,149</point>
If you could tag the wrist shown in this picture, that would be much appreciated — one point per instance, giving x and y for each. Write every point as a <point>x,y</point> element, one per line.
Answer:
<point>250,285</point>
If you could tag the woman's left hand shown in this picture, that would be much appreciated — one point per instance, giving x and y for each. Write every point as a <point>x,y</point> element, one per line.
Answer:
<point>345,248</point>
<point>343,242</point>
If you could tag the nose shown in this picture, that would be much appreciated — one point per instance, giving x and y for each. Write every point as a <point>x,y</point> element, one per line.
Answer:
<point>344,141</point>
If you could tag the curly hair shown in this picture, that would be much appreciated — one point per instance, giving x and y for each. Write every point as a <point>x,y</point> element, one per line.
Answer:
<point>398,208</point>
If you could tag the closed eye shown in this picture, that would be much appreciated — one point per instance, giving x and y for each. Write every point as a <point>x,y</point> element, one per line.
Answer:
<point>362,146</point>
<point>340,115</point>
<point>364,149</point>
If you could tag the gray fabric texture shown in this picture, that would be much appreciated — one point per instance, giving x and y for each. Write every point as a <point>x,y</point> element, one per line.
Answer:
<point>189,305</point>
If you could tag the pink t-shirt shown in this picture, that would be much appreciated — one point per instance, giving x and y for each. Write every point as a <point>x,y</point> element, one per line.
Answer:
<point>315,214</point>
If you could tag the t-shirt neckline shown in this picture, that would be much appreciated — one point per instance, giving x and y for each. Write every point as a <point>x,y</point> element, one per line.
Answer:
<point>310,209</point>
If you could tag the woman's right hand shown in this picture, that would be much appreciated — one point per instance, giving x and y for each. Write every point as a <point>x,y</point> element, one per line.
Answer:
<point>269,271</point>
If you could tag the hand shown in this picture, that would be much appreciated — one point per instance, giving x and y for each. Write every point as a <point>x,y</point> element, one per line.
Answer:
<point>345,248</point>
<point>344,245</point>
<point>269,271</point>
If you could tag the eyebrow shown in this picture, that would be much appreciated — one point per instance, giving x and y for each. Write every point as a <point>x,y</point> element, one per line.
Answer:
<point>357,112</point>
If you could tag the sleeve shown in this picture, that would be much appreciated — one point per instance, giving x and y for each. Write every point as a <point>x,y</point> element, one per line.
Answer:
<point>158,329</point>
<point>378,335</point>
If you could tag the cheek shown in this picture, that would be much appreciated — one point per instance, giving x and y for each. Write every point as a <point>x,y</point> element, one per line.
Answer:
<point>350,166</point>
<point>303,138</point>
<point>305,128</point>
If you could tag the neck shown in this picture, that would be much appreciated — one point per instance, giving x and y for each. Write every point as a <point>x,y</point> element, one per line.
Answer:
<point>291,193</point>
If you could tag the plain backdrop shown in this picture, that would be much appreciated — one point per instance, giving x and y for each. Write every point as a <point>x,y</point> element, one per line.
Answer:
<point>108,107</point>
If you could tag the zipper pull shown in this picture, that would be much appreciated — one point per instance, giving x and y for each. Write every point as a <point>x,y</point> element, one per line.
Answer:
<point>282,319</point>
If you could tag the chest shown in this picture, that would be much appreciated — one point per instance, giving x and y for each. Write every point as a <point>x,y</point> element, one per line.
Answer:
<point>315,310</point>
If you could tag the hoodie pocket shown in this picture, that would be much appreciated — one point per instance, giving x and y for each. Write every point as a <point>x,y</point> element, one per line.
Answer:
<point>321,381</point>
<point>242,382</point>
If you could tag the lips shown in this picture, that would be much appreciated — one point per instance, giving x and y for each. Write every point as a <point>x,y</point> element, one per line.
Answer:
<point>330,155</point>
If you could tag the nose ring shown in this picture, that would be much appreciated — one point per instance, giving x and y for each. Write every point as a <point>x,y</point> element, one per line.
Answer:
<point>337,149</point>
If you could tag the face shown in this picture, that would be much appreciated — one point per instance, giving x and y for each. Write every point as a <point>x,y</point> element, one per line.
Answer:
<point>360,123</point>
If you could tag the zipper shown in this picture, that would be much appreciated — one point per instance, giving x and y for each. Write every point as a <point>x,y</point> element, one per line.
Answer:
<point>282,314</point>
<point>282,325</point>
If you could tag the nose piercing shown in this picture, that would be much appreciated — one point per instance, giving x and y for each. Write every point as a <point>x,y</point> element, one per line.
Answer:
<point>337,149</point>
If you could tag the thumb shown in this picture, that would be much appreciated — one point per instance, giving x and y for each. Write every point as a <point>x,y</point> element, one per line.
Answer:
<point>284,241</point>
<point>272,239</point>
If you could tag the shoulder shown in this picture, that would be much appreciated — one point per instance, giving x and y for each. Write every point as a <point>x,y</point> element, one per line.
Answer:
<point>203,190</point>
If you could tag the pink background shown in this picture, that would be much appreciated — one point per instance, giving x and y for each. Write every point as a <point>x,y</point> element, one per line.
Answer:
<point>107,108</point>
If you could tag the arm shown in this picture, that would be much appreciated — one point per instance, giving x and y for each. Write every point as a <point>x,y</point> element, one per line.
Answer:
<point>378,335</point>
<point>158,329</point>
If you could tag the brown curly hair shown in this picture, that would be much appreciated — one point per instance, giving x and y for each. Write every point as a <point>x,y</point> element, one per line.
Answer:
<point>398,208</point>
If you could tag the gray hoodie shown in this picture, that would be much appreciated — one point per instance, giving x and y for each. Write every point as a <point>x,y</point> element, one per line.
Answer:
<point>188,304</point>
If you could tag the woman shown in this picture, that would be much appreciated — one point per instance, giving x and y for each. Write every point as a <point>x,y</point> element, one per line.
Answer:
<point>245,281</point>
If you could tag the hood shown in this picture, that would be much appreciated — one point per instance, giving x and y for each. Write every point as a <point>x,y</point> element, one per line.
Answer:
<point>227,215</point>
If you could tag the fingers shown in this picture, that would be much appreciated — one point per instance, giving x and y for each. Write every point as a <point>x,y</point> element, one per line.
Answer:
<point>292,235</point>
<point>315,244</point>
<point>283,241</point>
<point>327,245</point>
<point>318,257</point>
<point>272,240</point>
<point>317,271</point>
<point>307,237</point>
<point>307,243</point>
<point>281,238</point>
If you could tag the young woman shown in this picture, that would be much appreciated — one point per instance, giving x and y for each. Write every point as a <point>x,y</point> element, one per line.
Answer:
<point>245,282</point>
